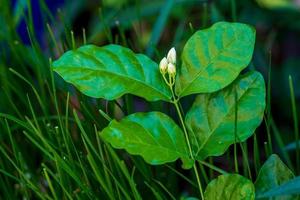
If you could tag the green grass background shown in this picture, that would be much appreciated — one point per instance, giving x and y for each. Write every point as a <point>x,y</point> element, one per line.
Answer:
<point>49,148</point>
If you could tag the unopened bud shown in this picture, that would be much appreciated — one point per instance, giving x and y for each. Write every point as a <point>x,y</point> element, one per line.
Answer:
<point>163,65</point>
<point>171,69</point>
<point>172,56</point>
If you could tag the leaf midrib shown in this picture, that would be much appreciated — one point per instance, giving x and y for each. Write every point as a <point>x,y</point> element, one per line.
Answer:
<point>176,150</point>
<point>207,65</point>
<point>137,60</point>
<point>117,74</point>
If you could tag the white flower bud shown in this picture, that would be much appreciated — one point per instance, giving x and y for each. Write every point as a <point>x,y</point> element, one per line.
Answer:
<point>163,65</point>
<point>172,56</point>
<point>171,69</point>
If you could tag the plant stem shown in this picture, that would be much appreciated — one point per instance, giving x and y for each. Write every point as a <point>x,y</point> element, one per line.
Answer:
<point>256,155</point>
<point>217,169</point>
<point>233,10</point>
<point>184,129</point>
<point>236,165</point>
<point>295,118</point>
<point>175,102</point>
<point>268,111</point>
<point>189,147</point>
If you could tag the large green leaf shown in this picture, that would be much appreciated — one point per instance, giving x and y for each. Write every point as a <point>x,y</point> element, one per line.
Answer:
<point>111,71</point>
<point>230,187</point>
<point>211,119</point>
<point>154,136</point>
<point>214,57</point>
<point>272,174</point>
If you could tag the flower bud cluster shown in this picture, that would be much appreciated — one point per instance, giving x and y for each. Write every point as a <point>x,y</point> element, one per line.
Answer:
<point>168,65</point>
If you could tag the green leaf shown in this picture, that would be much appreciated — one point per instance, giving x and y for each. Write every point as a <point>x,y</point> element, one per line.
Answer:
<point>291,187</point>
<point>229,187</point>
<point>212,58</point>
<point>154,136</point>
<point>272,174</point>
<point>211,119</point>
<point>109,72</point>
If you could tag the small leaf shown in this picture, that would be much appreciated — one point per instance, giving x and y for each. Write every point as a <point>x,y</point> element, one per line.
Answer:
<point>291,187</point>
<point>109,72</point>
<point>229,187</point>
<point>272,174</point>
<point>214,57</point>
<point>211,120</point>
<point>154,136</point>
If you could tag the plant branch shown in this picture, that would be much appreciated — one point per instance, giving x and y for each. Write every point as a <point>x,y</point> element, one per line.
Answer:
<point>175,102</point>
<point>217,169</point>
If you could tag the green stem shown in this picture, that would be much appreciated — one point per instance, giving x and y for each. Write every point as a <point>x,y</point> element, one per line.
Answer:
<point>184,128</point>
<point>217,169</point>
<point>236,164</point>
<point>198,181</point>
<point>233,10</point>
<point>175,102</point>
<point>295,118</point>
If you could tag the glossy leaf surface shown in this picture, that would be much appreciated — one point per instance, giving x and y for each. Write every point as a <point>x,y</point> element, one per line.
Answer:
<point>154,136</point>
<point>272,174</point>
<point>211,119</point>
<point>109,72</point>
<point>212,58</point>
<point>229,187</point>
